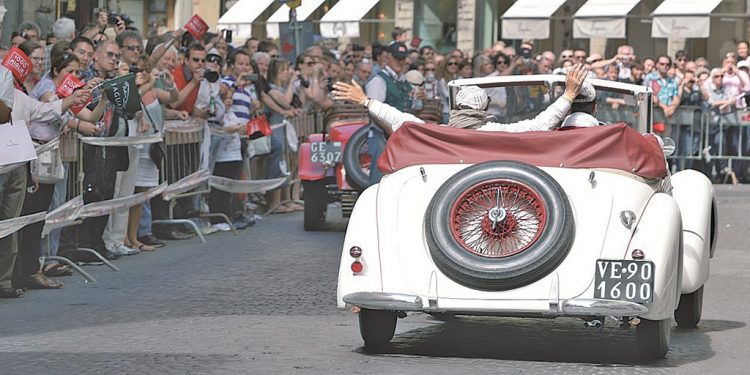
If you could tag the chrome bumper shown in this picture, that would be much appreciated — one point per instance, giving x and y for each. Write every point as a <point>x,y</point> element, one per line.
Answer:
<point>571,307</point>
<point>384,301</point>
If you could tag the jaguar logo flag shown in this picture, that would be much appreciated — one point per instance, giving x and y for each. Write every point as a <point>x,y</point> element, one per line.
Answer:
<point>123,93</point>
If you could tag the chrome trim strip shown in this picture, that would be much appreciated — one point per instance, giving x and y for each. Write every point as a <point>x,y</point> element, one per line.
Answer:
<point>384,301</point>
<point>603,307</point>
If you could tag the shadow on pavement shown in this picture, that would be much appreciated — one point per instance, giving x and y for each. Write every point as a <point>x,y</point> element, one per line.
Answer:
<point>548,340</point>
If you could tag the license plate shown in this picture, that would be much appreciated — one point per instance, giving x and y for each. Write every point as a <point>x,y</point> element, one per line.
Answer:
<point>325,152</point>
<point>625,280</point>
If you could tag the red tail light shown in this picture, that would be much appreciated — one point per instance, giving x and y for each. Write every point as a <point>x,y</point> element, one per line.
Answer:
<point>357,267</point>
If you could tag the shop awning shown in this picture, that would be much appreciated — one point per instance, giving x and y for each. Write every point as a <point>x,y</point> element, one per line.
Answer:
<point>529,19</point>
<point>343,19</point>
<point>282,15</point>
<point>683,18</point>
<point>602,18</point>
<point>240,17</point>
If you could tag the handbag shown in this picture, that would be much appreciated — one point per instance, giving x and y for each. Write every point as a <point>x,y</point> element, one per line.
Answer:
<point>258,126</point>
<point>48,167</point>
<point>260,146</point>
<point>15,143</point>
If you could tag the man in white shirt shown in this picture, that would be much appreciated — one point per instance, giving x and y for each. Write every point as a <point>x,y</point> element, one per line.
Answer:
<point>472,103</point>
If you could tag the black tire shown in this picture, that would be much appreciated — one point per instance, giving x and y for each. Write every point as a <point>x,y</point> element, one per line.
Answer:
<point>358,177</point>
<point>653,338</point>
<point>539,256</point>
<point>377,327</point>
<point>316,203</point>
<point>688,314</point>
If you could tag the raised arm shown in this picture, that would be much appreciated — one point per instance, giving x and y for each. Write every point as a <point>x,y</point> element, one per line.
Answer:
<point>389,118</point>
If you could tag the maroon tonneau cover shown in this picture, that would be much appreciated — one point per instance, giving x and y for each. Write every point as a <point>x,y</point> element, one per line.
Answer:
<point>611,146</point>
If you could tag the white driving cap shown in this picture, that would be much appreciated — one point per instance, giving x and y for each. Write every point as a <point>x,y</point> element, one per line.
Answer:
<point>587,94</point>
<point>414,77</point>
<point>472,97</point>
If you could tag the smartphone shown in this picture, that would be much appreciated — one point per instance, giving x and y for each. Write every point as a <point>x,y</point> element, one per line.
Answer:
<point>228,35</point>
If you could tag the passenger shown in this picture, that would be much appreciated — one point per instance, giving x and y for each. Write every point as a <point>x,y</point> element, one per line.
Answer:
<point>472,103</point>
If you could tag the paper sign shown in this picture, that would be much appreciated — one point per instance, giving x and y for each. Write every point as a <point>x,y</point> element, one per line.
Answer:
<point>66,88</point>
<point>196,26</point>
<point>18,63</point>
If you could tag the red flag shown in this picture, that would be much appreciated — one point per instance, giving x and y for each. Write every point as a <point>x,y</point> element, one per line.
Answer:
<point>196,26</point>
<point>18,63</point>
<point>66,88</point>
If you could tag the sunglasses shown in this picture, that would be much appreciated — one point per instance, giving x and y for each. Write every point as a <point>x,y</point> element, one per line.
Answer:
<point>134,48</point>
<point>452,63</point>
<point>113,55</point>
<point>566,56</point>
<point>214,59</point>
<point>273,56</point>
<point>198,60</point>
<point>429,69</point>
<point>501,62</point>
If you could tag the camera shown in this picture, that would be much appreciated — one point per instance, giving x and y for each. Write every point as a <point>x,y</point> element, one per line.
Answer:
<point>112,19</point>
<point>211,76</point>
<point>329,84</point>
<point>135,69</point>
<point>305,83</point>
<point>250,77</point>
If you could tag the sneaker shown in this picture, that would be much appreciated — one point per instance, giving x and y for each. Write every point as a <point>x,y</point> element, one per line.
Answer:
<point>222,227</point>
<point>124,250</point>
<point>208,229</point>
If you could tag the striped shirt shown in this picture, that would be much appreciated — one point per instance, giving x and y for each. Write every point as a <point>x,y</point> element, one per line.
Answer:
<point>242,99</point>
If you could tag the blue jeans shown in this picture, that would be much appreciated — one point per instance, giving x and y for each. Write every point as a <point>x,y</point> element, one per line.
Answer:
<point>144,227</point>
<point>58,198</point>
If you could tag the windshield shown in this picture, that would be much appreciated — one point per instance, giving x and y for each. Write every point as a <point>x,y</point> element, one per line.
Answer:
<point>516,101</point>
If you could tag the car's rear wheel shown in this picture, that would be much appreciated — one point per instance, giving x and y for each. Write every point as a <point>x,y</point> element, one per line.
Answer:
<point>499,225</point>
<point>357,161</point>
<point>316,203</point>
<point>688,314</point>
<point>377,327</point>
<point>653,338</point>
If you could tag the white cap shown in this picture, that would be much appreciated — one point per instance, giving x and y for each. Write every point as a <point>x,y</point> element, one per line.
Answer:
<point>587,94</point>
<point>742,64</point>
<point>414,77</point>
<point>472,97</point>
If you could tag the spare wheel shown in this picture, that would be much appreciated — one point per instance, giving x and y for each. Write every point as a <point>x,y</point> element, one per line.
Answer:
<point>499,225</point>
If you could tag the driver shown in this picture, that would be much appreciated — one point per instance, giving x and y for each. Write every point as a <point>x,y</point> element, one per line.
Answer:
<point>472,103</point>
<point>583,109</point>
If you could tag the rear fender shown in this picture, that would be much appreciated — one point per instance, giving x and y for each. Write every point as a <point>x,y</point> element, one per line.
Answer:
<point>317,137</point>
<point>308,170</point>
<point>658,235</point>
<point>362,232</point>
<point>694,194</point>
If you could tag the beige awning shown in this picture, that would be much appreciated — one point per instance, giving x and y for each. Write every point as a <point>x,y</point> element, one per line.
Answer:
<point>529,19</point>
<point>683,18</point>
<point>342,21</point>
<point>602,18</point>
<point>240,17</point>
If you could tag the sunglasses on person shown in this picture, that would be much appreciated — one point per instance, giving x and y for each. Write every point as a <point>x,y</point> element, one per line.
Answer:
<point>198,60</point>
<point>273,56</point>
<point>213,59</point>
<point>113,55</point>
<point>429,69</point>
<point>134,48</point>
<point>501,62</point>
<point>719,76</point>
<point>566,56</point>
<point>452,63</point>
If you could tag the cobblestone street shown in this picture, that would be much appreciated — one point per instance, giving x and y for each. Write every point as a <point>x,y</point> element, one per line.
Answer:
<point>263,302</point>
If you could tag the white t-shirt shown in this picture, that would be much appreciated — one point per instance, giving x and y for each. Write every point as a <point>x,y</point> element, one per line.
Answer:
<point>6,86</point>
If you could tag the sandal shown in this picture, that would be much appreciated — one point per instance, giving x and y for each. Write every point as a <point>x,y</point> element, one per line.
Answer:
<point>282,209</point>
<point>144,247</point>
<point>295,207</point>
<point>57,270</point>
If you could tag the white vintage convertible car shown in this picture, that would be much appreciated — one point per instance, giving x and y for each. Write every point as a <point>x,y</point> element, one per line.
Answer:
<point>579,222</point>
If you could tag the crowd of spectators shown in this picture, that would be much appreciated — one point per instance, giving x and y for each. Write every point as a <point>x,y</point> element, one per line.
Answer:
<point>224,85</point>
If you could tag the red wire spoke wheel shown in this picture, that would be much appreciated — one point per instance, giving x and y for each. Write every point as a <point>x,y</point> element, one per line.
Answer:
<point>486,228</point>
<point>499,225</point>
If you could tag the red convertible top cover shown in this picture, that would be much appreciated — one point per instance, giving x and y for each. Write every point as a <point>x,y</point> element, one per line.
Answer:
<point>611,146</point>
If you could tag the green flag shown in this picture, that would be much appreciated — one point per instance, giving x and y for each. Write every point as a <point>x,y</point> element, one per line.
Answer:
<point>123,93</point>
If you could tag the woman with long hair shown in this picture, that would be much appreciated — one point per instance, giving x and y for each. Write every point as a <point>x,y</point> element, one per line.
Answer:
<point>279,97</point>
